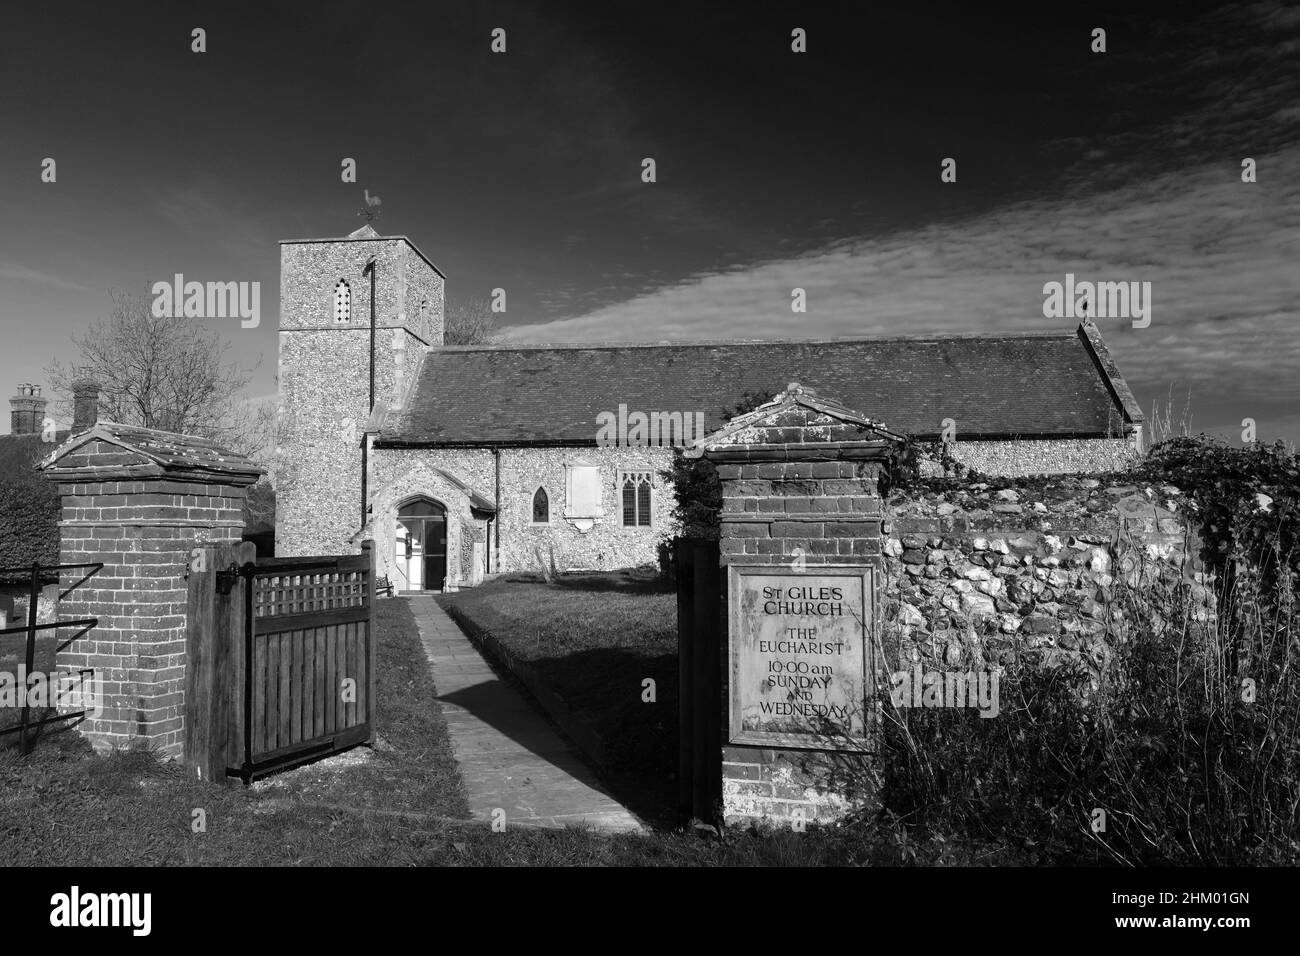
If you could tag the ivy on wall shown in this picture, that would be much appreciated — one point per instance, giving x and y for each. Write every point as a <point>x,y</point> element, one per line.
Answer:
<point>1247,500</point>
<point>696,485</point>
<point>931,465</point>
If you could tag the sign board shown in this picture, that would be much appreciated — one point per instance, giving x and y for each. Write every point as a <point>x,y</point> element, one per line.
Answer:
<point>801,655</point>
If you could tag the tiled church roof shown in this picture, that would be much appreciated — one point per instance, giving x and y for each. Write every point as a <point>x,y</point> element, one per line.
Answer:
<point>1045,385</point>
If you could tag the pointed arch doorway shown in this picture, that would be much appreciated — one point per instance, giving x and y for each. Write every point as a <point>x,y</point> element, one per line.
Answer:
<point>422,544</point>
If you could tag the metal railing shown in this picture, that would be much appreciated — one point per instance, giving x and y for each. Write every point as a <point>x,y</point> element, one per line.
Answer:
<point>37,572</point>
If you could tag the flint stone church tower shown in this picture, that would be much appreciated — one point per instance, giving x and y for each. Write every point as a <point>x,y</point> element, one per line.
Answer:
<point>471,460</point>
<point>324,372</point>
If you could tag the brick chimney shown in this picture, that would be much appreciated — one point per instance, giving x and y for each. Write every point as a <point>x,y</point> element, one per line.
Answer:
<point>85,404</point>
<point>27,410</point>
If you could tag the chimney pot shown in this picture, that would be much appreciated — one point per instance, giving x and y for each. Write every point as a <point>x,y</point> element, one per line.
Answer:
<point>27,410</point>
<point>85,404</point>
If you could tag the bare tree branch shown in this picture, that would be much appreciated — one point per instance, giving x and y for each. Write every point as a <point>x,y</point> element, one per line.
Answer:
<point>470,322</point>
<point>165,373</point>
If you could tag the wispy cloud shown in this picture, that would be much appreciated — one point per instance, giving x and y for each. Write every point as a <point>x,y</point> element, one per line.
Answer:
<point>204,213</point>
<point>1149,189</point>
<point>20,273</point>
<point>1220,255</point>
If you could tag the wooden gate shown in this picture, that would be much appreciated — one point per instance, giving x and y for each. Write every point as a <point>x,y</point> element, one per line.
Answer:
<point>281,660</point>
<point>700,617</point>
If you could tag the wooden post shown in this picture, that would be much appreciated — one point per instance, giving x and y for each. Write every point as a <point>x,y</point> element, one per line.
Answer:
<point>704,575</point>
<point>683,559</point>
<point>699,674</point>
<point>214,656</point>
<point>200,674</point>
<point>233,615</point>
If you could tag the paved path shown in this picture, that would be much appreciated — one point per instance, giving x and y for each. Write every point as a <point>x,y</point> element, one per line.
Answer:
<point>509,755</point>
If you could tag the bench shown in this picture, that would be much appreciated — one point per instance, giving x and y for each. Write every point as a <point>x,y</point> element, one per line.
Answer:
<point>384,586</point>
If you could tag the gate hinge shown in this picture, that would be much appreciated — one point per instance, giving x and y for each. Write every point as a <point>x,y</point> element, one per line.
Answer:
<point>226,578</point>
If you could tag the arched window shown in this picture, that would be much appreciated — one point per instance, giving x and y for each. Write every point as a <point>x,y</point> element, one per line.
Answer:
<point>541,507</point>
<point>342,301</point>
<point>421,508</point>
<point>636,498</point>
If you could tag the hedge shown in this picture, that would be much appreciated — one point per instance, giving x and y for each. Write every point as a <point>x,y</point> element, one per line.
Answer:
<point>29,505</point>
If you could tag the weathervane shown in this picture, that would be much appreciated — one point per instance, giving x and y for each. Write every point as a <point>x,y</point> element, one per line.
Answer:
<point>372,210</point>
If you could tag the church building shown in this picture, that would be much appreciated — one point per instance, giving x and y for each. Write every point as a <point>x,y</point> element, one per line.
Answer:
<point>464,461</point>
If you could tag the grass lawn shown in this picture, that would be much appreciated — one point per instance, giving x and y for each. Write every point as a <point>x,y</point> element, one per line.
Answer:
<point>399,804</point>
<point>395,804</point>
<point>593,639</point>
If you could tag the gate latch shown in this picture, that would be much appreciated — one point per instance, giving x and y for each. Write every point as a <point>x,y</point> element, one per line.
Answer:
<point>226,578</point>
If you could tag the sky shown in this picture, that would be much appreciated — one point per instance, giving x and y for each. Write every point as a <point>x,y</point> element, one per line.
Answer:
<point>774,170</point>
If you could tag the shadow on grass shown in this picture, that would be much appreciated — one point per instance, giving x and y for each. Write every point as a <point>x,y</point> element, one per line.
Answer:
<point>10,730</point>
<point>596,582</point>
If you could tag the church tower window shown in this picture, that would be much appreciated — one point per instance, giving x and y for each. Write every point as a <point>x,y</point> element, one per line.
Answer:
<point>342,301</point>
